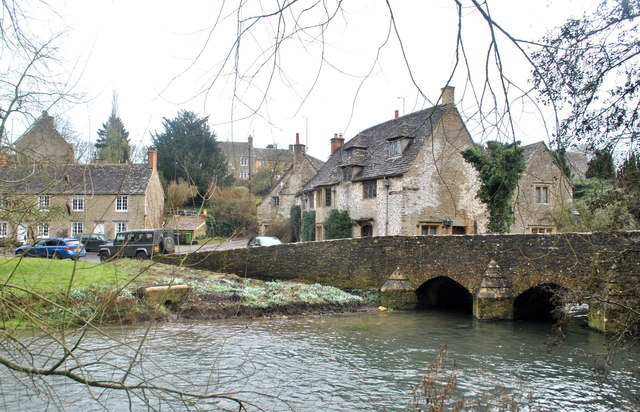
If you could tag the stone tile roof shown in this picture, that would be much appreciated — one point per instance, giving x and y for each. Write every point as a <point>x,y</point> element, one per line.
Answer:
<point>230,149</point>
<point>75,179</point>
<point>280,155</point>
<point>369,148</point>
<point>186,223</point>
<point>578,163</point>
<point>531,149</point>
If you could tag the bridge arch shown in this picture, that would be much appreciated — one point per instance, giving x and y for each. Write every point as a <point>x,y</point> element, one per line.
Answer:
<point>444,293</point>
<point>538,302</point>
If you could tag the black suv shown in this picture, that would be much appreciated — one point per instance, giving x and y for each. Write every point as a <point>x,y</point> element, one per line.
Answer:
<point>139,244</point>
<point>93,241</point>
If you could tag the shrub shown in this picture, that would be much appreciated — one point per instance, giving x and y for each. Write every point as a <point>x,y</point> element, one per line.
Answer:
<point>308,230</point>
<point>338,225</point>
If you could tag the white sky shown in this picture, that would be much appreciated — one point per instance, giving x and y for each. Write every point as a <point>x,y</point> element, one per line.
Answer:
<point>136,47</point>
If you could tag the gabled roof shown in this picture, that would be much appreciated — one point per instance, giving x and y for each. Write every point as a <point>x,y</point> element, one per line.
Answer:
<point>532,149</point>
<point>75,179</point>
<point>372,147</point>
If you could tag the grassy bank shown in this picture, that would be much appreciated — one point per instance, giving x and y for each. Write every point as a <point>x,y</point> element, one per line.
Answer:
<point>56,293</point>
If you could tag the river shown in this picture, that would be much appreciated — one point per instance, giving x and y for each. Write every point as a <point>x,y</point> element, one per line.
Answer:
<point>364,362</point>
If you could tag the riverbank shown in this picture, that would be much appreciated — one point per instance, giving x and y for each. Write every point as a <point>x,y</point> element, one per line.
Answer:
<point>52,294</point>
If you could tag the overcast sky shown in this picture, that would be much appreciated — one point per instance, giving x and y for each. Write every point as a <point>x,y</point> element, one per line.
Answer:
<point>161,56</point>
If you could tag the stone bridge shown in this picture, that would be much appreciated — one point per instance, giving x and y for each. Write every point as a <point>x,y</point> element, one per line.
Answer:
<point>495,276</point>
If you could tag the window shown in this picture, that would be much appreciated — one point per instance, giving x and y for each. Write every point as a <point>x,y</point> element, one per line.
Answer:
<point>275,200</point>
<point>347,173</point>
<point>395,148</point>
<point>244,161</point>
<point>4,229</point>
<point>244,174</point>
<point>76,228</point>
<point>426,230</point>
<point>122,203</point>
<point>540,230</point>
<point>43,203</point>
<point>369,189</point>
<point>542,194</point>
<point>121,227</point>
<point>43,230</point>
<point>77,203</point>
<point>327,197</point>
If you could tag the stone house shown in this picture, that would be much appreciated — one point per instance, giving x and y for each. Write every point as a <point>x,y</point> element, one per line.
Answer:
<point>44,193</point>
<point>405,176</point>
<point>277,204</point>
<point>42,143</point>
<point>542,189</point>
<point>244,160</point>
<point>66,200</point>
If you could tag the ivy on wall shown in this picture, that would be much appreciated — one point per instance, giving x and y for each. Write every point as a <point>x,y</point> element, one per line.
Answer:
<point>308,230</point>
<point>500,166</point>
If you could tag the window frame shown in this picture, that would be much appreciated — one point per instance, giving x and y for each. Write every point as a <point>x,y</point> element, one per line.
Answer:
<point>244,161</point>
<point>122,203</point>
<point>432,229</point>
<point>275,200</point>
<point>370,189</point>
<point>44,202</point>
<point>328,197</point>
<point>542,230</point>
<point>43,229</point>
<point>121,227</point>
<point>541,193</point>
<point>77,203</point>
<point>395,148</point>
<point>4,229</point>
<point>74,228</point>
<point>244,174</point>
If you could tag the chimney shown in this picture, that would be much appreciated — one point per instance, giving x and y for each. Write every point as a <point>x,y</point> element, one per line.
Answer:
<point>448,95</point>
<point>152,159</point>
<point>397,114</point>
<point>336,142</point>
<point>298,150</point>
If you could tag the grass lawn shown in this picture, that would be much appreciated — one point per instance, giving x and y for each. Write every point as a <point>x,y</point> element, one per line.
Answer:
<point>50,276</point>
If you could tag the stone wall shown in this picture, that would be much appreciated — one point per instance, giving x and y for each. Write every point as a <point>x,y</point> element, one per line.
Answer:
<point>527,260</point>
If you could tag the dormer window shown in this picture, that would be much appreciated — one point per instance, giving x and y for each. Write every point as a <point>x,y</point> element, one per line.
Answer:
<point>395,148</point>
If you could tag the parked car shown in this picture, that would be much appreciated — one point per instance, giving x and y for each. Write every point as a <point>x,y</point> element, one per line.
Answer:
<point>139,244</point>
<point>53,248</point>
<point>93,241</point>
<point>263,241</point>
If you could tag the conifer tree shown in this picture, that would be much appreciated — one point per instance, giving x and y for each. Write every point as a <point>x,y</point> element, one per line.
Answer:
<point>113,139</point>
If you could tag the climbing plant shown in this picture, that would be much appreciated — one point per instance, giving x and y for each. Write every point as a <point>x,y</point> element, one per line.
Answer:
<point>295,222</point>
<point>308,230</point>
<point>500,166</point>
<point>337,225</point>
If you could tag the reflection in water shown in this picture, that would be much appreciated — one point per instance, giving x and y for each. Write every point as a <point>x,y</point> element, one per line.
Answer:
<point>362,362</point>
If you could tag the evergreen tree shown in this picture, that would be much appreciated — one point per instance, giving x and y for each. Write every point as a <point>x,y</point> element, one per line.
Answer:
<point>187,150</point>
<point>601,166</point>
<point>113,139</point>
<point>338,225</point>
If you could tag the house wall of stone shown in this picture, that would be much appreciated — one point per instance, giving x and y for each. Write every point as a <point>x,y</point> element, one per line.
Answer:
<point>293,180</point>
<point>439,185</point>
<point>44,144</point>
<point>154,207</point>
<point>542,170</point>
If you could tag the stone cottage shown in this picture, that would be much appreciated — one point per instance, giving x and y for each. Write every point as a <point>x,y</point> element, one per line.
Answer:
<point>277,204</point>
<point>244,160</point>
<point>49,195</point>
<point>542,189</point>
<point>405,176</point>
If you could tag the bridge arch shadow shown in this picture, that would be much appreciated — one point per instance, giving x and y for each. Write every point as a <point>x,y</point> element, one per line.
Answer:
<point>444,293</point>
<point>541,302</point>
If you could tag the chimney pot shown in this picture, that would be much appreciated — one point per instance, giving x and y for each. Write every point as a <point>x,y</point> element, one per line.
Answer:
<point>297,138</point>
<point>397,114</point>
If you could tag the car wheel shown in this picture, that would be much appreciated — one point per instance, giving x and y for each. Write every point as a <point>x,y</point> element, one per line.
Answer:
<point>104,256</point>
<point>168,245</point>
<point>141,256</point>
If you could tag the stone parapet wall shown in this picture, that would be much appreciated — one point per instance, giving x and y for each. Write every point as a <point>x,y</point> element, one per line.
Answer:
<point>527,260</point>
